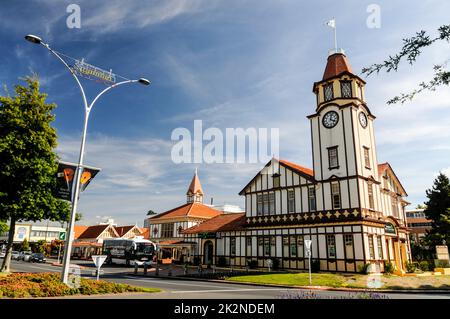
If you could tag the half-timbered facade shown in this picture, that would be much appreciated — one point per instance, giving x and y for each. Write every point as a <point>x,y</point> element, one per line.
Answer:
<point>351,207</point>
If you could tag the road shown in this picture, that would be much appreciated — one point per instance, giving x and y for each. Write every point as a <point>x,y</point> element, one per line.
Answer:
<point>189,289</point>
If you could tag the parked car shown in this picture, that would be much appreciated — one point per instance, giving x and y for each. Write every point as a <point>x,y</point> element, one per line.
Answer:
<point>15,255</point>
<point>37,258</point>
<point>2,254</point>
<point>25,255</point>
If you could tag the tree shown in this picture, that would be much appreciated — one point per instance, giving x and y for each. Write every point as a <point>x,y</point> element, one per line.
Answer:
<point>410,51</point>
<point>40,246</point>
<point>25,246</point>
<point>150,212</point>
<point>421,206</point>
<point>3,227</point>
<point>438,210</point>
<point>28,162</point>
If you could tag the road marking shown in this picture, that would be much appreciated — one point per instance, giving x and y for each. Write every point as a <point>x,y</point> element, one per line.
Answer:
<point>187,283</point>
<point>228,290</point>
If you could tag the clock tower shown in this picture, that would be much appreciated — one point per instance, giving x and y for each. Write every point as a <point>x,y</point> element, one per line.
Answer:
<point>343,143</point>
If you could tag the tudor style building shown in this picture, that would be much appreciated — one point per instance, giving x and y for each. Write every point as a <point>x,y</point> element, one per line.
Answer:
<point>351,207</point>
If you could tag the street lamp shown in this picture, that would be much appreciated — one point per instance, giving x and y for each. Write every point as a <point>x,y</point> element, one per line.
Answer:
<point>76,185</point>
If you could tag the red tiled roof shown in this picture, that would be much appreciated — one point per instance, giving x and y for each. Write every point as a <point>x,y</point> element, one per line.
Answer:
<point>224,222</point>
<point>146,233</point>
<point>297,167</point>
<point>86,244</point>
<point>93,231</point>
<point>188,210</point>
<point>195,187</point>
<point>78,230</point>
<point>337,63</point>
<point>122,230</point>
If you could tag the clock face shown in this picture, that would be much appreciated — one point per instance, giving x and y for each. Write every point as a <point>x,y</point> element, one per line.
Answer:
<point>363,119</point>
<point>330,119</point>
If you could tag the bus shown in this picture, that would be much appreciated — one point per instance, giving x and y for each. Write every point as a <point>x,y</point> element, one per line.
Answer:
<point>126,251</point>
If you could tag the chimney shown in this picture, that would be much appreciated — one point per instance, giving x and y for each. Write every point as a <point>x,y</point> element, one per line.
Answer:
<point>212,201</point>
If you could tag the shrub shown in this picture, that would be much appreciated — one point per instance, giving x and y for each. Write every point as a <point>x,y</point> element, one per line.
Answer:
<point>410,266</point>
<point>424,265</point>
<point>364,269</point>
<point>221,261</point>
<point>315,265</point>
<point>388,267</point>
<point>252,264</point>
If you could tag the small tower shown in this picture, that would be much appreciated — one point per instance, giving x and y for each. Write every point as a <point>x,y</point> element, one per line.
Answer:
<point>195,192</point>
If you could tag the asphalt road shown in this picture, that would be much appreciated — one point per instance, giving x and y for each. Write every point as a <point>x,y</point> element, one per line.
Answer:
<point>188,289</point>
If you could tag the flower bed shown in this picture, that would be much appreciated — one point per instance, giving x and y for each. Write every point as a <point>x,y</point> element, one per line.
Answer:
<point>25,285</point>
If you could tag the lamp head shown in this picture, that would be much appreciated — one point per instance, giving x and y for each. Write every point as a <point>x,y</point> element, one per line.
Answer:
<point>33,39</point>
<point>144,81</point>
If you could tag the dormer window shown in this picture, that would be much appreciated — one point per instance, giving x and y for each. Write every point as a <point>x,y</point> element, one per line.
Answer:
<point>346,89</point>
<point>276,180</point>
<point>328,92</point>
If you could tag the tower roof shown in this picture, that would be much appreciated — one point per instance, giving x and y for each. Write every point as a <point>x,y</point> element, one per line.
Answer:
<point>195,187</point>
<point>337,63</point>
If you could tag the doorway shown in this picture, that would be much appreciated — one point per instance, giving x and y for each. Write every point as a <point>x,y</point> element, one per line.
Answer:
<point>208,253</point>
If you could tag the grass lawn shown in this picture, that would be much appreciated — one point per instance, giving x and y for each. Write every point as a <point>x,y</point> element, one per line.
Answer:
<point>346,280</point>
<point>26,285</point>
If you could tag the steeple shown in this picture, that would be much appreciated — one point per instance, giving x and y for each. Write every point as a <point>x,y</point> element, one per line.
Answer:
<point>195,191</point>
<point>337,64</point>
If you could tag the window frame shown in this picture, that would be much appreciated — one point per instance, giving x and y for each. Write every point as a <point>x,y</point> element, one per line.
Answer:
<point>370,195</point>
<point>331,253</point>
<point>291,201</point>
<point>312,196</point>
<point>333,194</point>
<point>328,85</point>
<point>367,161</point>
<point>349,82</point>
<point>330,150</point>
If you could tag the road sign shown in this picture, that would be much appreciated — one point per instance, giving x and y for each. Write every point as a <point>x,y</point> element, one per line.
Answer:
<point>99,260</point>
<point>62,235</point>
<point>308,244</point>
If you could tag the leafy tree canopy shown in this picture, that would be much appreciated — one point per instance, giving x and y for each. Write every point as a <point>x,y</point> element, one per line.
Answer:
<point>412,48</point>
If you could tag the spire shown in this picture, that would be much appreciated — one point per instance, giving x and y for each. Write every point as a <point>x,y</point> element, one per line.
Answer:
<point>195,191</point>
<point>337,63</point>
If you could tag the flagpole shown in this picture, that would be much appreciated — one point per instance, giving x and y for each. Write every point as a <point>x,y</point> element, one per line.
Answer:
<point>335,38</point>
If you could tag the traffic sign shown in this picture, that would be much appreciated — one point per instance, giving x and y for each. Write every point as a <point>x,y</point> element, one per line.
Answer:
<point>99,260</point>
<point>308,243</point>
<point>62,235</point>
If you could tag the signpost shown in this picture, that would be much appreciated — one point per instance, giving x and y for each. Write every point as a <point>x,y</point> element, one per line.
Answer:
<point>308,244</point>
<point>98,261</point>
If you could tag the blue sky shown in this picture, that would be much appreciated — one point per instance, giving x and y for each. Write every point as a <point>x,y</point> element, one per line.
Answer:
<point>230,64</point>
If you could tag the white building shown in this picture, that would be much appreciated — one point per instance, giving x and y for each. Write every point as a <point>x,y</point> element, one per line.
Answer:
<point>349,205</point>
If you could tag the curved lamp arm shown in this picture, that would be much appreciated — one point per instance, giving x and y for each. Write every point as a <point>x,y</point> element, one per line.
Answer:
<point>107,89</point>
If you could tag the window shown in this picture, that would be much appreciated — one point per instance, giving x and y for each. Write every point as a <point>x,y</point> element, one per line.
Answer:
<point>265,204</point>
<point>394,206</point>
<point>366,157</point>
<point>312,198</point>
<point>248,243</point>
<point>259,205</point>
<point>291,201</point>
<point>371,248</point>
<point>232,246</point>
<point>167,230</point>
<point>328,92</point>
<point>346,89</point>
<point>333,161</point>
<point>266,246</point>
<point>271,203</point>
<point>331,244</point>
<point>285,246</point>
<point>370,192</point>
<point>335,195</point>
<point>300,246</point>
<point>360,91</point>
<point>348,241</point>
<point>276,180</point>
<point>380,248</point>
<point>293,245</point>
<point>260,246</point>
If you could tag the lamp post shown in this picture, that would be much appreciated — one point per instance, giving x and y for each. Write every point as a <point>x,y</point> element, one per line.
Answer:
<point>76,185</point>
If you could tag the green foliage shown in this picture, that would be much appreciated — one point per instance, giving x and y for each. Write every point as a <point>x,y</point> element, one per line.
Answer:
<point>411,266</point>
<point>150,212</point>
<point>439,263</point>
<point>388,267</point>
<point>25,285</point>
<point>3,227</point>
<point>410,51</point>
<point>252,263</point>
<point>40,246</point>
<point>364,269</point>
<point>25,245</point>
<point>438,210</point>
<point>420,252</point>
<point>28,162</point>
<point>221,261</point>
<point>424,265</point>
<point>315,265</point>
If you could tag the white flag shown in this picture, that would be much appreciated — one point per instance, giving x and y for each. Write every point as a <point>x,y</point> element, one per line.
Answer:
<point>331,23</point>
